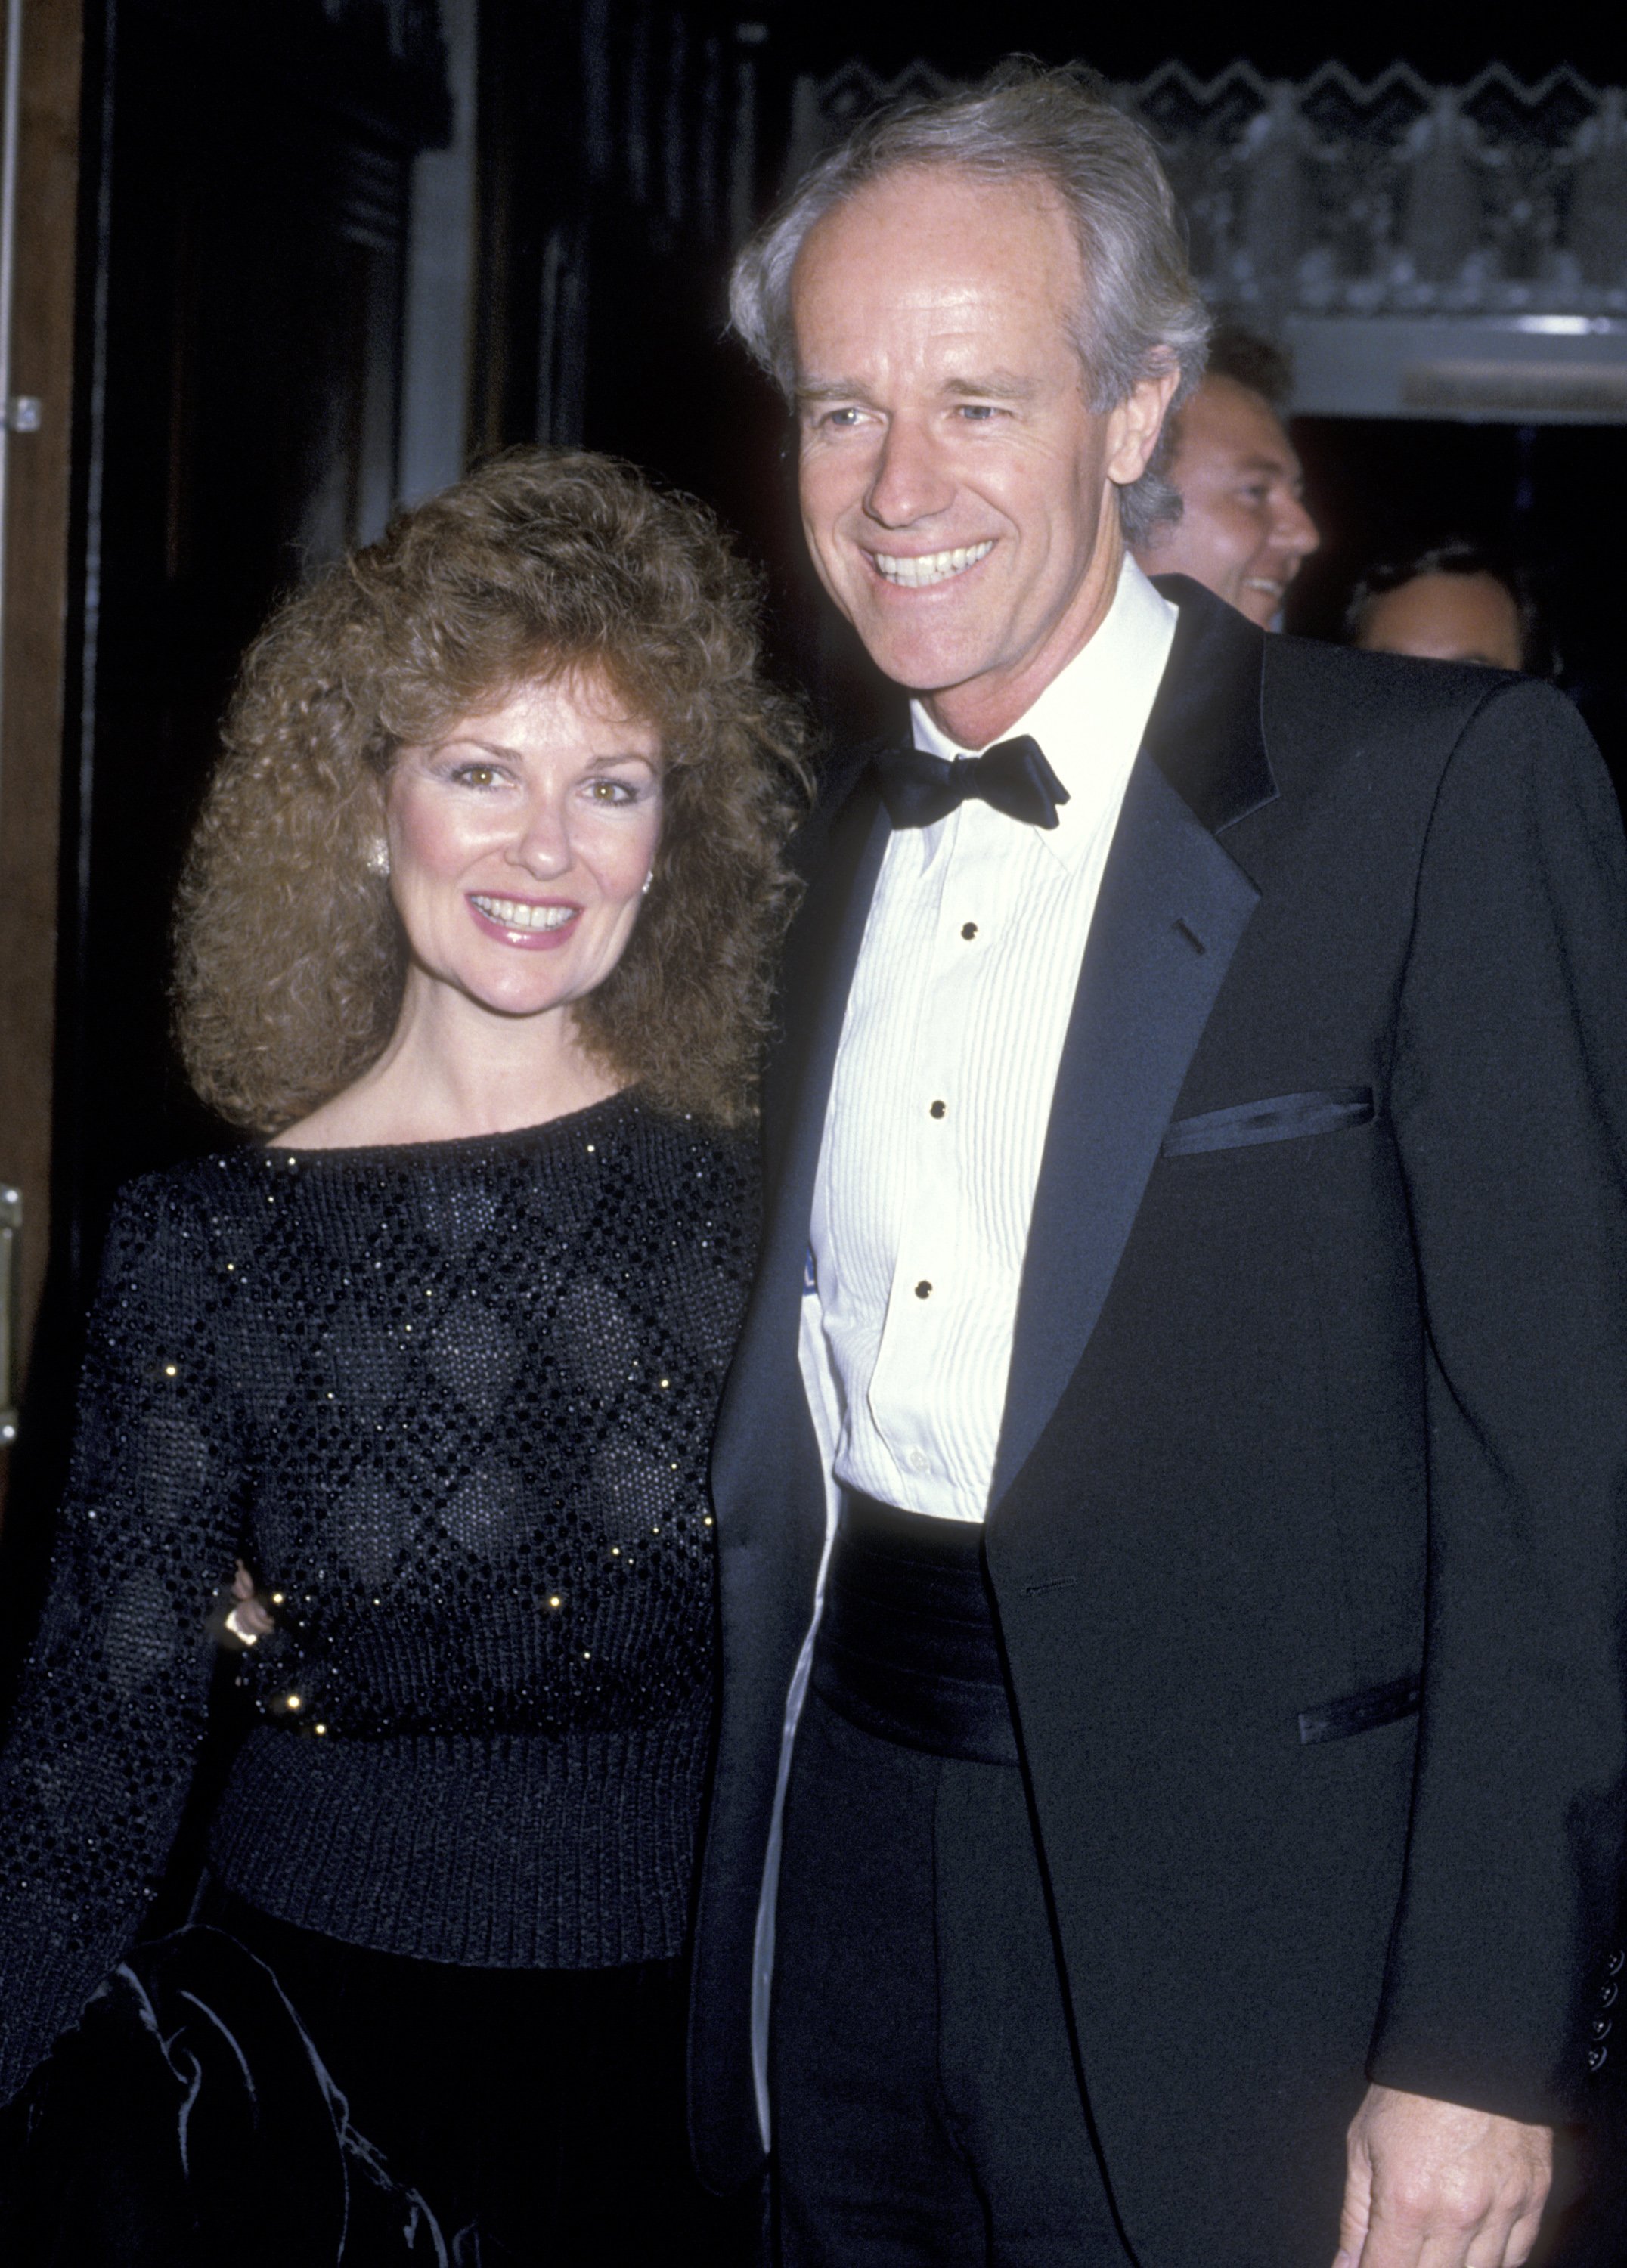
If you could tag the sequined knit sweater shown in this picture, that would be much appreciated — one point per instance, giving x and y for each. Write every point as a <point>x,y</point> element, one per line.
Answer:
<point>451,1403</point>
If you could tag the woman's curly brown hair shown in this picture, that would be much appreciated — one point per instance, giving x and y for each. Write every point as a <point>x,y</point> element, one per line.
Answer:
<point>290,959</point>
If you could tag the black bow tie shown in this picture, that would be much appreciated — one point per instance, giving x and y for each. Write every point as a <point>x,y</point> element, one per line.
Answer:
<point>919,788</point>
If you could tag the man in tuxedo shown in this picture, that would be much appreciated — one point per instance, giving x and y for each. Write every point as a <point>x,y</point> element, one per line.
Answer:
<point>1168,1798</point>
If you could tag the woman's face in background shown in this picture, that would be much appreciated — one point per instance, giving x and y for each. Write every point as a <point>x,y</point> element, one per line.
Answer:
<point>520,842</point>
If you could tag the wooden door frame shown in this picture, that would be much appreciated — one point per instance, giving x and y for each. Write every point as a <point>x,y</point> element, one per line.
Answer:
<point>33,624</point>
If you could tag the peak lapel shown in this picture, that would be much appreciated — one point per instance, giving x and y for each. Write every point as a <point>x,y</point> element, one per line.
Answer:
<point>1172,907</point>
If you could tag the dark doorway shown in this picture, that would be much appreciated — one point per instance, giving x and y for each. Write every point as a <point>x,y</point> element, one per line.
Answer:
<point>1554,499</point>
<point>246,186</point>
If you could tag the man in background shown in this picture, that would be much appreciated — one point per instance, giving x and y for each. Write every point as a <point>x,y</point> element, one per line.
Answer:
<point>1243,530</point>
<point>1451,602</point>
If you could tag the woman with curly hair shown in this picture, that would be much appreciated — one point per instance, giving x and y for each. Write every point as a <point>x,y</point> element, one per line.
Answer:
<point>474,933</point>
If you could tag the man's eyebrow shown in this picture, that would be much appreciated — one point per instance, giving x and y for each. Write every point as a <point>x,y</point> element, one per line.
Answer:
<point>996,385</point>
<point>830,389</point>
<point>1280,467</point>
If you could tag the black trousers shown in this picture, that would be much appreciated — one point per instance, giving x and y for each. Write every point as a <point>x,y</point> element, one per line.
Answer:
<point>926,2104</point>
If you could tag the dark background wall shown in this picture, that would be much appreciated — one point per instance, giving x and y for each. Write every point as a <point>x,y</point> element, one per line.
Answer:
<point>1128,42</point>
<point>244,218</point>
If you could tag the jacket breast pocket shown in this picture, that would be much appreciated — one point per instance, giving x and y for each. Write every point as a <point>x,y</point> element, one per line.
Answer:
<point>1278,1118</point>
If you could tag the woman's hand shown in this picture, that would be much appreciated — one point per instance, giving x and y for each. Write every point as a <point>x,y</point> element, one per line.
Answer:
<point>248,1618</point>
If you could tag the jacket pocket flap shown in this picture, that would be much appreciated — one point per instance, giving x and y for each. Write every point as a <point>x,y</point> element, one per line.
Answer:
<point>1279,1118</point>
<point>1360,1712</point>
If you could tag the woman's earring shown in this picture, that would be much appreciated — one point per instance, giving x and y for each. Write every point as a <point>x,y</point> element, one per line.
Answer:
<point>379,857</point>
<point>648,879</point>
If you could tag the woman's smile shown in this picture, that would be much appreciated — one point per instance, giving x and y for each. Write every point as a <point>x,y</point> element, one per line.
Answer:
<point>532,924</point>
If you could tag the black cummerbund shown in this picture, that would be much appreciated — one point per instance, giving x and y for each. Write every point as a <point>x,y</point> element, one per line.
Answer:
<point>906,1646</point>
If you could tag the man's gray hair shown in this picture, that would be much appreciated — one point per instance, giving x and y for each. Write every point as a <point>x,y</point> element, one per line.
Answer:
<point>1140,314</point>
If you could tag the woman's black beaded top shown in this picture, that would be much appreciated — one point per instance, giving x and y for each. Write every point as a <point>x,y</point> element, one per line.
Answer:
<point>451,1402</point>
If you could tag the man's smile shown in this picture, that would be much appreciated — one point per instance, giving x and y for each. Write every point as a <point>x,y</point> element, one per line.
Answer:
<point>916,572</point>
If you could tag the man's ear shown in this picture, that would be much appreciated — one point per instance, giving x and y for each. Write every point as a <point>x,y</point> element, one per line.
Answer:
<point>1135,424</point>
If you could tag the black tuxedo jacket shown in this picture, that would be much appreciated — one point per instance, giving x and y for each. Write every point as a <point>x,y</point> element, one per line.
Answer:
<point>1307,1533</point>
